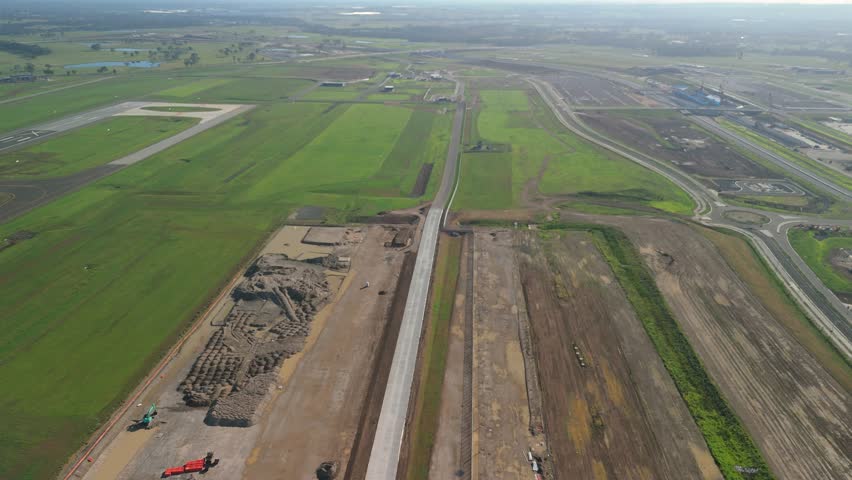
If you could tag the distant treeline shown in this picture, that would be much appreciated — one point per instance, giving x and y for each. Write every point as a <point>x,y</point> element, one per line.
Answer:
<point>23,49</point>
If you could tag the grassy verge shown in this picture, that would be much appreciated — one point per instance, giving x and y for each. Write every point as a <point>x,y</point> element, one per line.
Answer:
<point>90,146</point>
<point>434,360</point>
<point>789,155</point>
<point>116,270</point>
<point>820,129</point>
<point>817,252</point>
<point>181,109</point>
<point>750,267</point>
<point>539,155</point>
<point>726,437</point>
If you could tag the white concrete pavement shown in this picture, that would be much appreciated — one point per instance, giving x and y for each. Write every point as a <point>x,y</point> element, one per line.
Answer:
<point>384,456</point>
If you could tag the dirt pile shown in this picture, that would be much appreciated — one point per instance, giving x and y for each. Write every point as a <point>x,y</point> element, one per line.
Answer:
<point>275,304</point>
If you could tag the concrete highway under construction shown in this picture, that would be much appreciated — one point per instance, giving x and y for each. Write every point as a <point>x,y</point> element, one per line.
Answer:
<point>340,244</point>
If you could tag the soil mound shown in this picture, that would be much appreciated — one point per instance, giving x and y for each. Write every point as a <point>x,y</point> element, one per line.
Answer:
<point>269,323</point>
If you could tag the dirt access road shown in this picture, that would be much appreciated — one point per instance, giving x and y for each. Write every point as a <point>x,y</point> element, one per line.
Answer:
<point>794,410</point>
<point>311,418</point>
<point>610,408</point>
<point>501,409</point>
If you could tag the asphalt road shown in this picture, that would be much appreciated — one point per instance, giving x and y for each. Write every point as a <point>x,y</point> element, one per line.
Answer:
<point>384,455</point>
<point>822,306</point>
<point>791,167</point>
<point>32,193</point>
<point>21,138</point>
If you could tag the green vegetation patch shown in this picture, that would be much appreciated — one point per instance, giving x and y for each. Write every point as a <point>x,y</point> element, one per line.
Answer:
<point>55,105</point>
<point>90,146</point>
<point>827,253</point>
<point>547,158</point>
<point>191,86</point>
<point>118,269</point>
<point>725,435</point>
<point>181,109</point>
<point>434,359</point>
<point>250,90</point>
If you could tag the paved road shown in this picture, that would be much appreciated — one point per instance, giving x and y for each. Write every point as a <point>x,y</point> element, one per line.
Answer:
<point>821,305</point>
<point>31,193</point>
<point>384,456</point>
<point>44,92</point>
<point>21,138</point>
<point>782,162</point>
<point>39,132</point>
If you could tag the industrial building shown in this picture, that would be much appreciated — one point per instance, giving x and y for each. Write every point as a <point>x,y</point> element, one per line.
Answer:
<point>697,96</point>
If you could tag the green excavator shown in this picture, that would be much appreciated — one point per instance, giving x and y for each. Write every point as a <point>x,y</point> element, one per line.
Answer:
<point>147,419</point>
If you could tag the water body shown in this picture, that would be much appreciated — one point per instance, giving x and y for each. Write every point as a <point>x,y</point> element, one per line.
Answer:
<point>131,49</point>
<point>139,64</point>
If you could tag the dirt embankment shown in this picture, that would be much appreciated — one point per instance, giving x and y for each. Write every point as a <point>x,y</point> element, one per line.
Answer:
<point>610,408</point>
<point>270,321</point>
<point>672,138</point>
<point>380,370</point>
<point>799,416</point>
<point>501,433</point>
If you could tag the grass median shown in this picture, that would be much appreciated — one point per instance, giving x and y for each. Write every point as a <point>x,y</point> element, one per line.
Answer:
<point>434,359</point>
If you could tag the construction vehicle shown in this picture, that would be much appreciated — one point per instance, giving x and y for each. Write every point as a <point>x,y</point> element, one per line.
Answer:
<point>147,420</point>
<point>200,465</point>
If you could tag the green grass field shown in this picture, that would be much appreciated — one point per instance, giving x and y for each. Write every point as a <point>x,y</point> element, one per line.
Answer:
<point>548,157</point>
<point>236,90</point>
<point>90,146</point>
<point>181,109</point>
<point>55,105</point>
<point>817,253</point>
<point>118,269</point>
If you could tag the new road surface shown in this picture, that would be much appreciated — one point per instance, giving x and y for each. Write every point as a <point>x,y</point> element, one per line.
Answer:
<point>384,456</point>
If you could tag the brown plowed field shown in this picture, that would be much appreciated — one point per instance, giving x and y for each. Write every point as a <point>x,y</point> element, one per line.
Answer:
<point>795,411</point>
<point>619,416</point>
<point>673,138</point>
<point>500,413</point>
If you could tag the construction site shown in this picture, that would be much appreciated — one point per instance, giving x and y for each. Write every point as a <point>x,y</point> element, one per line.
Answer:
<point>274,381</point>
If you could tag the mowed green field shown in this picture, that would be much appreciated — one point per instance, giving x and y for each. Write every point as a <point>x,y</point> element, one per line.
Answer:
<point>118,269</point>
<point>235,90</point>
<point>817,253</point>
<point>90,146</point>
<point>537,154</point>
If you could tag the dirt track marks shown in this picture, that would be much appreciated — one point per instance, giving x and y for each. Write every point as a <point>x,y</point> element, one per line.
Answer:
<point>797,414</point>
<point>500,413</point>
<point>620,416</point>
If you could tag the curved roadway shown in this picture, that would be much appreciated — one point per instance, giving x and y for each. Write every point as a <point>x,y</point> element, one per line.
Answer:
<point>822,306</point>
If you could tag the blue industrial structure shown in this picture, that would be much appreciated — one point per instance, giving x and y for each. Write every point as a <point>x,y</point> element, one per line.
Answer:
<point>697,96</point>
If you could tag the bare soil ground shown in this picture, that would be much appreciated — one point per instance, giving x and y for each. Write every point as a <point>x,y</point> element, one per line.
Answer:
<point>448,459</point>
<point>500,414</point>
<point>590,90</point>
<point>694,151</point>
<point>313,414</point>
<point>794,410</point>
<point>610,408</point>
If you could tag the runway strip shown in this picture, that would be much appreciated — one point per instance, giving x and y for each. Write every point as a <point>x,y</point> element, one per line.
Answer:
<point>32,193</point>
